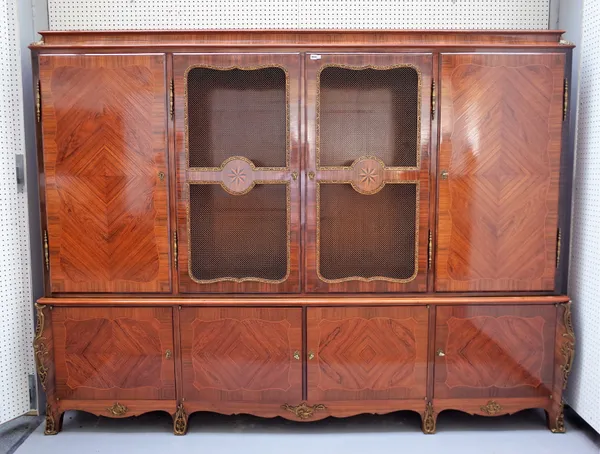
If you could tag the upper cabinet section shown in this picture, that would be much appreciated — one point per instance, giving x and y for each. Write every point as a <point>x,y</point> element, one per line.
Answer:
<point>105,166</point>
<point>367,169</point>
<point>238,166</point>
<point>498,171</point>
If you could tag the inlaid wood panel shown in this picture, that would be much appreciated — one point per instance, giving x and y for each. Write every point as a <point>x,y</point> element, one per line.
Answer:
<point>502,351</point>
<point>237,130</point>
<point>105,172</point>
<point>368,129</point>
<point>498,171</point>
<point>367,353</point>
<point>241,354</point>
<point>114,353</point>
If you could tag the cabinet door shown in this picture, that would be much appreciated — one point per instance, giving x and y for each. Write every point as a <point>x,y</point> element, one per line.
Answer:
<point>104,165</point>
<point>113,353</point>
<point>367,353</point>
<point>241,354</point>
<point>237,141</point>
<point>494,351</point>
<point>368,138</point>
<point>499,164</point>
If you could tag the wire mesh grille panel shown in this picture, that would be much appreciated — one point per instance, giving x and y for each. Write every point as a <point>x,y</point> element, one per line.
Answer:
<point>237,113</point>
<point>367,236</point>
<point>238,236</point>
<point>371,112</point>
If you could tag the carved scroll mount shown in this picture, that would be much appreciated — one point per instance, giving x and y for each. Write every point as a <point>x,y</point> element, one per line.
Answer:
<point>180,421</point>
<point>40,350</point>
<point>492,408</point>
<point>303,411</point>
<point>429,419</point>
<point>117,409</point>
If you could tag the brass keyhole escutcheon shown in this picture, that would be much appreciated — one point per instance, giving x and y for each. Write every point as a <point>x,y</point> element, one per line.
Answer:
<point>444,174</point>
<point>168,354</point>
<point>440,352</point>
<point>161,176</point>
<point>294,176</point>
<point>311,356</point>
<point>297,355</point>
<point>311,175</point>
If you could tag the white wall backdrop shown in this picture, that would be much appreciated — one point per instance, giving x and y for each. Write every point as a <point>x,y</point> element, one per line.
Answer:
<point>291,14</point>
<point>16,316</point>
<point>582,19</point>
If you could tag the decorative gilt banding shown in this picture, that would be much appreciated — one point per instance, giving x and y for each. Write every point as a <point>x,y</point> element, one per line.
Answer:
<point>172,99</point>
<point>565,99</point>
<point>46,250</point>
<point>429,251</point>
<point>567,348</point>
<point>303,411</point>
<point>38,102</point>
<point>180,421</point>
<point>558,244</point>
<point>117,409</point>
<point>492,408</point>
<point>175,248</point>
<point>433,100</point>
<point>428,419</point>
<point>40,350</point>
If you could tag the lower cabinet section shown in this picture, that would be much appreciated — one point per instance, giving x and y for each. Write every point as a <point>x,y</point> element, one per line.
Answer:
<point>304,363</point>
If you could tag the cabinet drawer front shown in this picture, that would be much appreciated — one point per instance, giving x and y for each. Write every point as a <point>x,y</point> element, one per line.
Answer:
<point>241,354</point>
<point>367,353</point>
<point>105,166</point>
<point>499,168</point>
<point>114,353</point>
<point>500,351</point>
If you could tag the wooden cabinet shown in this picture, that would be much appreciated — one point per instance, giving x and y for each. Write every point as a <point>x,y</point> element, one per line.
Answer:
<point>363,353</point>
<point>304,224</point>
<point>105,172</point>
<point>238,354</point>
<point>367,193</point>
<point>499,168</point>
<point>114,353</point>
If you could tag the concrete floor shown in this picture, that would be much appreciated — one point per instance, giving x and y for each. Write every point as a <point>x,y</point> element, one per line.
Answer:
<point>397,433</point>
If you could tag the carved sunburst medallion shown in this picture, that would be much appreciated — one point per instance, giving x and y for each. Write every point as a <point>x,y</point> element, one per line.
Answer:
<point>237,175</point>
<point>368,175</point>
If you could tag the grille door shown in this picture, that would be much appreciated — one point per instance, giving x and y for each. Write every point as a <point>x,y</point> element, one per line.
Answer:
<point>237,134</point>
<point>369,120</point>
